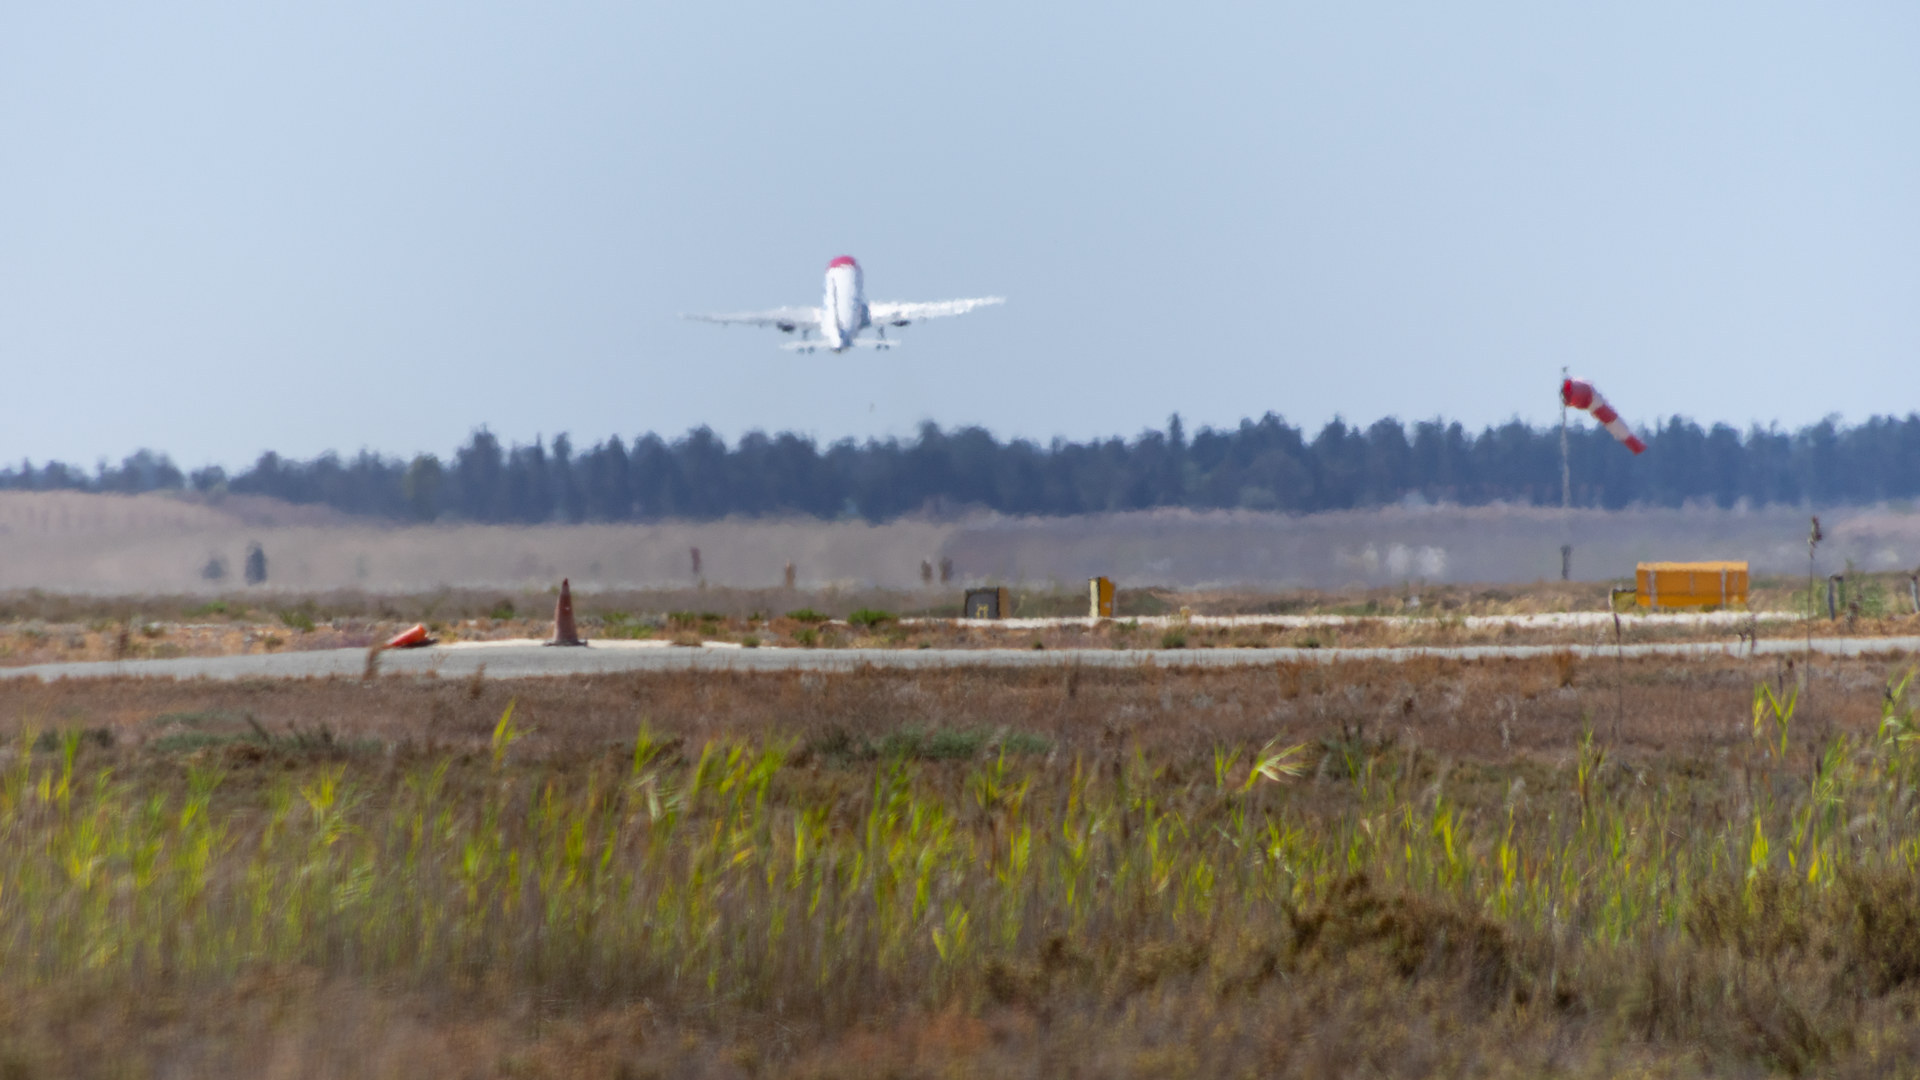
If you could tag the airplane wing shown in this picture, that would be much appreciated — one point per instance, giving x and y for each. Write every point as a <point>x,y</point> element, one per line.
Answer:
<point>895,313</point>
<point>786,318</point>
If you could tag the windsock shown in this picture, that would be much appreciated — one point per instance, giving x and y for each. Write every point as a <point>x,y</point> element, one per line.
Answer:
<point>1580,394</point>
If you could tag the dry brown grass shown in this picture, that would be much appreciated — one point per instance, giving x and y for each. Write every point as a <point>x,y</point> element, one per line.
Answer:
<point>1362,977</point>
<point>1498,711</point>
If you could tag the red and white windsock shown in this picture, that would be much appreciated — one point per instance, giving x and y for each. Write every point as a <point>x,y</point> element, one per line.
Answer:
<point>1580,394</point>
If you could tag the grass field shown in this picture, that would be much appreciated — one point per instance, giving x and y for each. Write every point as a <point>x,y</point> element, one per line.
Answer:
<point>1508,868</point>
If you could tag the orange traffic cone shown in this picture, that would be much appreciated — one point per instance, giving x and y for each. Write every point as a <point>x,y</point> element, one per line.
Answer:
<point>564,632</point>
<point>410,639</point>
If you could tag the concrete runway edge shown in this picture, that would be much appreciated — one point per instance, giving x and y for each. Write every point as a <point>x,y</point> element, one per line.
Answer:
<point>515,660</point>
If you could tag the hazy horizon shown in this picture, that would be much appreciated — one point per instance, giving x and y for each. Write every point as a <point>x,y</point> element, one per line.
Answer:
<point>70,542</point>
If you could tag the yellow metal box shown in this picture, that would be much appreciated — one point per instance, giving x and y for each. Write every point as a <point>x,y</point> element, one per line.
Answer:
<point>1690,584</point>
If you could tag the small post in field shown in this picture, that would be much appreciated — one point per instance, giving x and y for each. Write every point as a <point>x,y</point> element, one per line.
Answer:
<point>1813,541</point>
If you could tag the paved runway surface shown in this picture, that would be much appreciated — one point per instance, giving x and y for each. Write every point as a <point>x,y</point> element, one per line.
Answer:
<point>1552,620</point>
<point>521,659</point>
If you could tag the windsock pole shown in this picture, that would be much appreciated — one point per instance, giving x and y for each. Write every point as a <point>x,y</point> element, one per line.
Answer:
<point>1566,469</point>
<point>1566,492</point>
<point>1580,394</point>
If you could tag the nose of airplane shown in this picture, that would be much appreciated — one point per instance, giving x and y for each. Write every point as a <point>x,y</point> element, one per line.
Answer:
<point>842,260</point>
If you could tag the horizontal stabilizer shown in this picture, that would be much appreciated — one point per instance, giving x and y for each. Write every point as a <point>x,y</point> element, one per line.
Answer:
<point>816,345</point>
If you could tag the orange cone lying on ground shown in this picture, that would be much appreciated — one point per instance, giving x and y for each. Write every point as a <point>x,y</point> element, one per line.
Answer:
<point>564,632</point>
<point>412,638</point>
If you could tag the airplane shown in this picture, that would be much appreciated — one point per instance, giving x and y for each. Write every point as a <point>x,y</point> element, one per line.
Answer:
<point>846,312</point>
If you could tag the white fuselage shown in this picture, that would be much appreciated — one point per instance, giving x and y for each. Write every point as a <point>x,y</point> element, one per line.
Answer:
<point>843,312</point>
<point>844,315</point>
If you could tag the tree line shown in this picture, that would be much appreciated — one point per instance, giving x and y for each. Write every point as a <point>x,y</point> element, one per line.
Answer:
<point>1264,464</point>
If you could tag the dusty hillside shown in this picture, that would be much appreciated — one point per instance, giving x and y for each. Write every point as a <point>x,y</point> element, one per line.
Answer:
<point>1434,544</point>
<point>112,543</point>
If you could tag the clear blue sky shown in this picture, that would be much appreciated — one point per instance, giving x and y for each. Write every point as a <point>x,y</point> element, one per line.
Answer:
<point>231,227</point>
